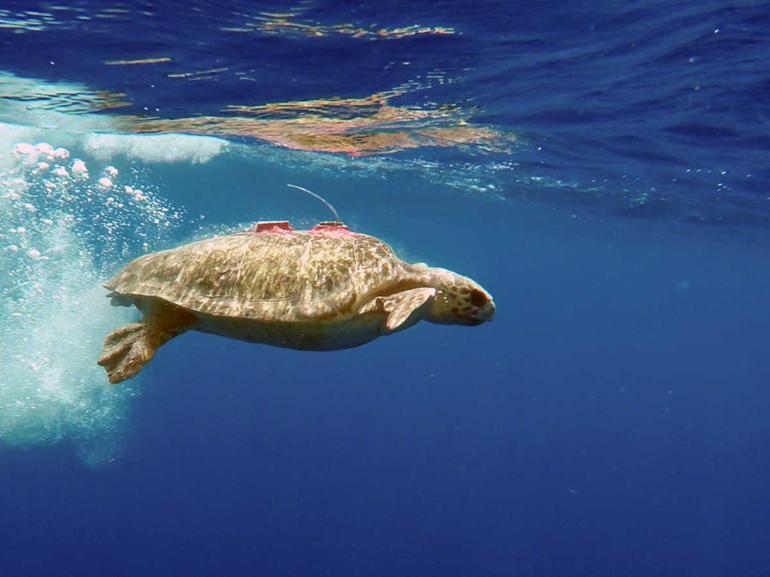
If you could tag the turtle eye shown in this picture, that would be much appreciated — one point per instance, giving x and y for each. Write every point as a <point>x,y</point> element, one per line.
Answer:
<point>478,298</point>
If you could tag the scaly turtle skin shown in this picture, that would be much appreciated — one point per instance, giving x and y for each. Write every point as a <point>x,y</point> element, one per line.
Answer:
<point>321,289</point>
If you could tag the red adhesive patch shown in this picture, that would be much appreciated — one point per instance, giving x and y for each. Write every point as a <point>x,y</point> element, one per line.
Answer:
<point>273,226</point>
<point>332,229</point>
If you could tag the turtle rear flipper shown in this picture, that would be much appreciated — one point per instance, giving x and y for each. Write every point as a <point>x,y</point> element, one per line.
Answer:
<point>127,349</point>
<point>125,352</point>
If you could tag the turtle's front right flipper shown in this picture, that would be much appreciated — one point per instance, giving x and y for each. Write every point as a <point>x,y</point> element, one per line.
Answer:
<point>406,307</point>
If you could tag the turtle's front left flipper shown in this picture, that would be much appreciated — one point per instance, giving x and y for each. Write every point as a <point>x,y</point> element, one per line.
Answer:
<point>129,348</point>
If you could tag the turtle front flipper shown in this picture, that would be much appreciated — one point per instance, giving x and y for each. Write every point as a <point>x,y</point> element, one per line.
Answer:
<point>129,348</point>
<point>402,309</point>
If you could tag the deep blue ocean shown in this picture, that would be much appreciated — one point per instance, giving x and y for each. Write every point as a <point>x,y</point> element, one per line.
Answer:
<point>601,168</point>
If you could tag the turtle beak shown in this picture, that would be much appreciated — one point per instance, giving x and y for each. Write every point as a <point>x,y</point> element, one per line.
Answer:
<point>486,312</point>
<point>483,305</point>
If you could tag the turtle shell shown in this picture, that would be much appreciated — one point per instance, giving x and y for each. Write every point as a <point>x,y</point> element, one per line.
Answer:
<point>282,277</point>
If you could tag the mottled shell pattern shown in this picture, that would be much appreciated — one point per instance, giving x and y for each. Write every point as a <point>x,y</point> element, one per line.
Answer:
<point>277,276</point>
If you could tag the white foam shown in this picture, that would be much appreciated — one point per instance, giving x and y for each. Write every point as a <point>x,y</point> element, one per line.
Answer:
<point>97,134</point>
<point>55,105</point>
<point>155,148</point>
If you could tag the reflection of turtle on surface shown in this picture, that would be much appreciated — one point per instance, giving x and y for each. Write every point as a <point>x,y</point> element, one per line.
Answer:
<point>320,289</point>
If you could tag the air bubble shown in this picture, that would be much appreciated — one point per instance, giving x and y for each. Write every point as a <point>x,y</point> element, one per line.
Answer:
<point>45,149</point>
<point>79,169</point>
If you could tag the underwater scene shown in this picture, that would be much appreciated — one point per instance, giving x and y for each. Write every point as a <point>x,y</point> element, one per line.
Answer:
<point>446,288</point>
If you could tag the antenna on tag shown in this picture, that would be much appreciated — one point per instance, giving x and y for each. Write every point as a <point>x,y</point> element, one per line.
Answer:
<point>319,197</point>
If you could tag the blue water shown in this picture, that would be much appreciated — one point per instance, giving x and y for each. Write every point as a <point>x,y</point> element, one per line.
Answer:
<point>611,421</point>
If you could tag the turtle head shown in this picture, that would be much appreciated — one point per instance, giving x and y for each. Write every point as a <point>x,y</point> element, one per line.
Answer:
<point>458,300</point>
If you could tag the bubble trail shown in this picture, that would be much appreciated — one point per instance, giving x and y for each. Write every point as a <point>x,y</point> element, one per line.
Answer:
<point>62,230</point>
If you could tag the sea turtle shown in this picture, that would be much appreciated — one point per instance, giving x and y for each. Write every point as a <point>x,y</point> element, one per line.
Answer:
<point>321,289</point>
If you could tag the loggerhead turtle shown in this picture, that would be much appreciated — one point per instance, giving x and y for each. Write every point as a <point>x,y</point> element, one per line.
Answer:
<point>321,289</point>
